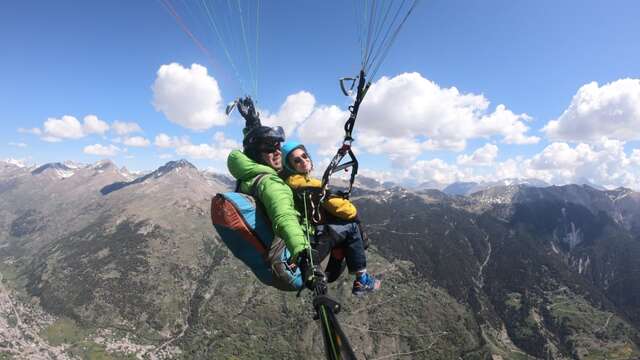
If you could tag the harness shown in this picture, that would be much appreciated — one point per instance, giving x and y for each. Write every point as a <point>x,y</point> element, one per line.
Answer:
<point>344,151</point>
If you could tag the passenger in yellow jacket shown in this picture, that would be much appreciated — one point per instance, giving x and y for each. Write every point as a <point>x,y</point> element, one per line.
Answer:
<point>339,222</point>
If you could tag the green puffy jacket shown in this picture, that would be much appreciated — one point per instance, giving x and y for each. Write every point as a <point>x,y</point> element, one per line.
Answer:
<point>275,196</point>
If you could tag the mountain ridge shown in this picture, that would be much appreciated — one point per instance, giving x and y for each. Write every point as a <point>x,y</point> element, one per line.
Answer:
<point>145,259</point>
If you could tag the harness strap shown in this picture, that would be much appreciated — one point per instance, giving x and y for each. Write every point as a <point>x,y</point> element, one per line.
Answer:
<point>254,191</point>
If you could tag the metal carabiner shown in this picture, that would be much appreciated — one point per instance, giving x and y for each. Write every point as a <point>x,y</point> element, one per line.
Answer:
<point>230,107</point>
<point>344,89</point>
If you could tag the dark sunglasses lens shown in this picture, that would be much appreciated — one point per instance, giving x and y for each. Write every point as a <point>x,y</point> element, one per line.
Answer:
<point>300,159</point>
<point>270,148</point>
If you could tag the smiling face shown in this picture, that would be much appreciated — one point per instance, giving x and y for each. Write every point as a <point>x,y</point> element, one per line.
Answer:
<point>300,161</point>
<point>272,156</point>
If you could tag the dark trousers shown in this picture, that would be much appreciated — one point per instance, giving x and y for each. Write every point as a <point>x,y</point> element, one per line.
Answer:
<point>346,235</point>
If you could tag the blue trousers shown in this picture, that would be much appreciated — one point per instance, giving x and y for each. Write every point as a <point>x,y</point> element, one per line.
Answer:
<point>346,235</point>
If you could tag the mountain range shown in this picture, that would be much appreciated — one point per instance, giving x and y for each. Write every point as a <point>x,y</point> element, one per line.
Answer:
<point>98,262</point>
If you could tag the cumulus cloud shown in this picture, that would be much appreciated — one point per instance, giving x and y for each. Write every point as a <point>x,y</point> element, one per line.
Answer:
<point>603,162</point>
<point>324,127</point>
<point>136,141</point>
<point>405,116</point>
<point>635,157</point>
<point>435,171</point>
<point>188,96</point>
<point>295,110</point>
<point>68,127</point>
<point>101,150</point>
<point>401,151</point>
<point>124,128</point>
<point>18,144</point>
<point>611,110</point>
<point>483,156</point>
<point>409,106</point>
<point>218,150</point>
<point>93,125</point>
<point>507,124</point>
<point>165,141</point>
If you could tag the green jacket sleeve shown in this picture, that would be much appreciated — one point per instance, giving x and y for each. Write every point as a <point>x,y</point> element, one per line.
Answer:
<point>277,199</point>
<point>275,196</point>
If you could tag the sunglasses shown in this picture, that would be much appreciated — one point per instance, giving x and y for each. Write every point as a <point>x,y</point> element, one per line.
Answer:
<point>300,159</point>
<point>270,147</point>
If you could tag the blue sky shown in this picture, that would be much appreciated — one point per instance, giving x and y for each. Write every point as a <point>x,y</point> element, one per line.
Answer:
<point>69,58</point>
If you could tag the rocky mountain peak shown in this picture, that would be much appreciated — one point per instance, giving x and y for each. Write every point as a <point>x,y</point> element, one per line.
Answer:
<point>171,166</point>
<point>103,165</point>
<point>178,168</point>
<point>468,188</point>
<point>619,193</point>
<point>56,169</point>
<point>182,163</point>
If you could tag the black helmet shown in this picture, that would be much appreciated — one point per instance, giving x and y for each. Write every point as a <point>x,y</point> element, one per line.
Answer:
<point>260,138</point>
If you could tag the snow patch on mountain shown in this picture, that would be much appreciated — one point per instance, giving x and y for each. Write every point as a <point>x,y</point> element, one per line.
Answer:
<point>15,162</point>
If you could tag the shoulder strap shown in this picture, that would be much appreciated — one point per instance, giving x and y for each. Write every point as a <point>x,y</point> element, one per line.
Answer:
<point>255,186</point>
<point>254,191</point>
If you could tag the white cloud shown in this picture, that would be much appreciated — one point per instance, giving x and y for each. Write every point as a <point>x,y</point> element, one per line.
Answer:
<point>434,170</point>
<point>401,151</point>
<point>409,106</point>
<point>295,110</point>
<point>124,128</point>
<point>405,116</point>
<point>165,141</point>
<point>504,122</point>
<point>483,156</point>
<point>34,131</point>
<point>604,163</point>
<point>67,127</point>
<point>93,125</point>
<point>188,96</point>
<point>218,150</point>
<point>324,127</point>
<point>18,144</point>
<point>136,141</point>
<point>379,175</point>
<point>611,110</point>
<point>635,157</point>
<point>508,169</point>
<point>101,150</point>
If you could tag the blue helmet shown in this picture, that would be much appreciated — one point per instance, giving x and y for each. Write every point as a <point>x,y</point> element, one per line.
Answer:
<point>287,149</point>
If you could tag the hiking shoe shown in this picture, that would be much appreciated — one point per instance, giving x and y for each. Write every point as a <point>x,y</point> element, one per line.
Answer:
<point>365,284</point>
